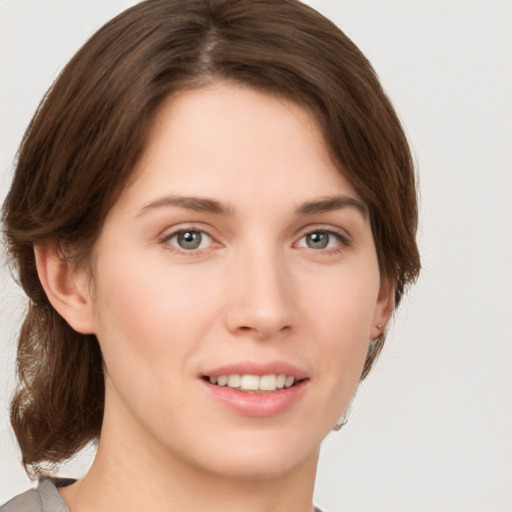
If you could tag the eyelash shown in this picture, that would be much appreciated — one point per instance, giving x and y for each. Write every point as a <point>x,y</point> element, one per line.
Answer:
<point>343,241</point>
<point>165,241</point>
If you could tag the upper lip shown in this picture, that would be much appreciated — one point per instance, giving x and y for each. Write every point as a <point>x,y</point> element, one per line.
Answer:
<point>257,368</point>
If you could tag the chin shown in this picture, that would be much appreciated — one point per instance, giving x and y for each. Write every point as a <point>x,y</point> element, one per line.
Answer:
<point>258,456</point>
<point>265,466</point>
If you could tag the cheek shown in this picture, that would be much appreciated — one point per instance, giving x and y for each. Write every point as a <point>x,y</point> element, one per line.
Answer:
<point>345,301</point>
<point>149,325</point>
<point>343,315</point>
<point>146,316</point>
<point>145,296</point>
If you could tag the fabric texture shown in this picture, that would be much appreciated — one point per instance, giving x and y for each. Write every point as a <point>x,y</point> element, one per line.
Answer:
<point>45,498</point>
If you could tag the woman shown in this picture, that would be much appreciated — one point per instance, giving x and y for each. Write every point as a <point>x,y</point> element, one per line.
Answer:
<point>213,216</point>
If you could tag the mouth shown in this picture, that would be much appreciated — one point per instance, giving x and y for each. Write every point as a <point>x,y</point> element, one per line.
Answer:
<point>249,383</point>
<point>257,389</point>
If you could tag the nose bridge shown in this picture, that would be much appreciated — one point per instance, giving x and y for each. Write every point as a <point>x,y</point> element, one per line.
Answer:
<point>262,299</point>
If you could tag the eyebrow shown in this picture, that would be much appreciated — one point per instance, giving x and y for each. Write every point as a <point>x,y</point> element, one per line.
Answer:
<point>203,204</point>
<point>200,204</point>
<point>328,204</point>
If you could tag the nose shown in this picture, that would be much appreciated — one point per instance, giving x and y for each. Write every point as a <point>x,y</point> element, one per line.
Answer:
<point>261,297</point>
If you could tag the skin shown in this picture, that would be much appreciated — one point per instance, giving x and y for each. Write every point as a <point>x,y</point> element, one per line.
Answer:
<point>256,289</point>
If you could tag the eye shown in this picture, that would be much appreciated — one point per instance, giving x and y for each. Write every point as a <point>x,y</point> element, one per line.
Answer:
<point>189,240</point>
<point>321,239</point>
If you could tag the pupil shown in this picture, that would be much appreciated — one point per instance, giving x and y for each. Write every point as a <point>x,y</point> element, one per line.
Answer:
<point>189,240</point>
<point>317,240</point>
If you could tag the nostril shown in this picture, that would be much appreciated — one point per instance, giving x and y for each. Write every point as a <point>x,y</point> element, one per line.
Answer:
<point>263,332</point>
<point>261,322</point>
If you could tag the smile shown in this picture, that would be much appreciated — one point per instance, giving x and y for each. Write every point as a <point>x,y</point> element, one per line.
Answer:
<point>252,388</point>
<point>247,382</point>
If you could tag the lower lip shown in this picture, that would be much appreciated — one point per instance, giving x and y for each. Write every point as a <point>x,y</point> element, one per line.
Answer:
<point>258,404</point>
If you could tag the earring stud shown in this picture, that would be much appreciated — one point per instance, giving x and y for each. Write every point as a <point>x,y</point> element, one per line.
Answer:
<point>379,326</point>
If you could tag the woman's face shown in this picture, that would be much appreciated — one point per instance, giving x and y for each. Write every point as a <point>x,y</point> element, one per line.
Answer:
<point>238,252</point>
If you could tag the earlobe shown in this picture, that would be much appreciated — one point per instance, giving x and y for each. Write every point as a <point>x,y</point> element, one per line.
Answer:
<point>383,310</point>
<point>65,286</point>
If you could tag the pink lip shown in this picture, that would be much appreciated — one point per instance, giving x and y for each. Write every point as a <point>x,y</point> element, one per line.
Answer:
<point>257,404</point>
<point>257,368</point>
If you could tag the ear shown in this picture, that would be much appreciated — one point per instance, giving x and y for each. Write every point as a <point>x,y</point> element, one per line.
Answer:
<point>66,287</point>
<point>384,308</point>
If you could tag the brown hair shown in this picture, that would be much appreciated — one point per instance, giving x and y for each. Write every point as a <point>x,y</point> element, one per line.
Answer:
<point>86,136</point>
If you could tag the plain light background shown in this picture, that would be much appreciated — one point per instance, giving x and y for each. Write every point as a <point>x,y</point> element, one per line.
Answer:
<point>431,429</point>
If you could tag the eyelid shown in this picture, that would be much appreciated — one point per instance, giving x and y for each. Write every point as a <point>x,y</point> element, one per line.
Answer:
<point>329,228</point>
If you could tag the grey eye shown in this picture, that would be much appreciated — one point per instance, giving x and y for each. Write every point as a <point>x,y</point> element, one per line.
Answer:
<point>190,240</point>
<point>321,239</point>
<point>318,240</point>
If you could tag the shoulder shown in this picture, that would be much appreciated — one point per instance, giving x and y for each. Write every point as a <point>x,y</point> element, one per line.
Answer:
<point>29,501</point>
<point>45,498</point>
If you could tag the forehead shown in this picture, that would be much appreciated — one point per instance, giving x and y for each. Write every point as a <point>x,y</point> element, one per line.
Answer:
<point>229,142</point>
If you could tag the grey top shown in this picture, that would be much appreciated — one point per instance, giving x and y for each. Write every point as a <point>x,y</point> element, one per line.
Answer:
<point>45,498</point>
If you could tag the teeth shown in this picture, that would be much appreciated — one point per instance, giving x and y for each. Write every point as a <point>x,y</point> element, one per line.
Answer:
<point>281,379</point>
<point>249,382</point>
<point>234,381</point>
<point>268,382</point>
<point>288,382</point>
<point>254,382</point>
